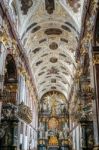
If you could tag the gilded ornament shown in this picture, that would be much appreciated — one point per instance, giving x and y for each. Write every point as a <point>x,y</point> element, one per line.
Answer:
<point>4,37</point>
<point>53,123</point>
<point>53,140</point>
<point>96,59</point>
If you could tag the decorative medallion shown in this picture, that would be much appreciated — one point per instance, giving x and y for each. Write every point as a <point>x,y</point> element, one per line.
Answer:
<point>53,46</point>
<point>53,70</point>
<point>53,80</point>
<point>53,60</point>
<point>53,88</point>
<point>74,4</point>
<point>26,5</point>
<point>51,31</point>
<point>49,5</point>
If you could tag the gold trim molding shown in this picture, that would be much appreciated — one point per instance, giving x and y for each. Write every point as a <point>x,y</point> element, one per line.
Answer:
<point>96,59</point>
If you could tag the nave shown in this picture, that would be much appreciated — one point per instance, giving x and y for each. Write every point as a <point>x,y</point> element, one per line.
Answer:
<point>49,75</point>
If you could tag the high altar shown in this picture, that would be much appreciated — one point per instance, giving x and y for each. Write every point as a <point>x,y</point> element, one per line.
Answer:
<point>53,124</point>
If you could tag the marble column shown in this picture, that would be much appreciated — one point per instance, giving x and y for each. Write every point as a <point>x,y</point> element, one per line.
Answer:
<point>96,102</point>
<point>14,134</point>
<point>10,123</point>
<point>87,140</point>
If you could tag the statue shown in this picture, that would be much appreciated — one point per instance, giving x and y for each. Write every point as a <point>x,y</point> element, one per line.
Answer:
<point>46,134</point>
<point>61,135</point>
<point>44,107</point>
<point>41,134</point>
<point>41,129</point>
<point>65,130</point>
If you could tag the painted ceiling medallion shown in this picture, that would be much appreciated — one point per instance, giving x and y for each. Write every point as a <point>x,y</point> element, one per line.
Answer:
<point>53,46</point>
<point>51,31</point>
<point>26,5</point>
<point>53,88</point>
<point>49,5</point>
<point>53,70</point>
<point>53,60</point>
<point>53,80</point>
<point>75,4</point>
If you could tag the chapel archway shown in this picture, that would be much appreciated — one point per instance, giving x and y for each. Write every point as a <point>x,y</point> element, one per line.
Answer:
<point>10,80</point>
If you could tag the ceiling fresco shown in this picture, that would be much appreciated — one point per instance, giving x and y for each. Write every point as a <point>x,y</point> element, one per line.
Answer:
<point>49,30</point>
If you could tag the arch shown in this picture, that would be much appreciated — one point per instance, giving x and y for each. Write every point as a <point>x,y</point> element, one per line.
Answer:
<point>11,71</point>
<point>10,80</point>
<point>48,90</point>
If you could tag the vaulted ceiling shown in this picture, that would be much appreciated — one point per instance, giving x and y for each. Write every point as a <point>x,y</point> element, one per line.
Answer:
<point>49,30</point>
